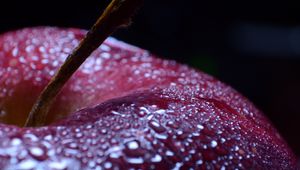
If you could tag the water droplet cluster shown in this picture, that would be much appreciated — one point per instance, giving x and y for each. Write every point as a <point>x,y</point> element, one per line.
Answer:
<point>146,113</point>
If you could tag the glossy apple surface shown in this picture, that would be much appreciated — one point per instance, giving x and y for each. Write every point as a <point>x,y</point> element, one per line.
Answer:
<point>135,111</point>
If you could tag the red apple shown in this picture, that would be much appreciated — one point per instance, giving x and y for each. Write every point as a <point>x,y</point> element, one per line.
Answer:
<point>135,111</point>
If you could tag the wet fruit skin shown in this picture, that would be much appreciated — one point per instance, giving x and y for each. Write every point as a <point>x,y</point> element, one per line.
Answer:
<point>127,109</point>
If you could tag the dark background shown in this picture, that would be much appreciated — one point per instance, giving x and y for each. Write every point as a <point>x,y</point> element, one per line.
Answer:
<point>254,47</point>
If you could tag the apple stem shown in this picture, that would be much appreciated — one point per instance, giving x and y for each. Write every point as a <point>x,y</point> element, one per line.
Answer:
<point>117,14</point>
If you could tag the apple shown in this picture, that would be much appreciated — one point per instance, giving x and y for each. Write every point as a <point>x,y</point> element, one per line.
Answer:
<point>125,108</point>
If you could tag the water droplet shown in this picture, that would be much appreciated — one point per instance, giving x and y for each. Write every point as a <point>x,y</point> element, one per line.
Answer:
<point>156,158</point>
<point>141,113</point>
<point>156,126</point>
<point>36,151</point>
<point>88,126</point>
<point>196,134</point>
<point>223,140</point>
<point>178,165</point>
<point>161,111</point>
<point>104,47</point>
<point>58,165</point>
<point>107,165</point>
<point>138,160</point>
<point>32,137</point>
<point>16,141</point>
<point>78,135</point>
<point>193,151</point>
<point>132,145</point>
<point>72,145</point>
<point>169,153</point>
<point>115,155</point>
<point>27,164</point>
<point>92,164</point>
<point>213,144</point>
<point>15,51</point>
<point>172,124</point>
<point>200,127</point>
<point>180,132</point>
<point>199,162</point>
<point>236,148</point>
<point>150,117</point>
<point>105,55</point>
<point>145,110</point>
<point>103,131</point>
<point>117,113</point>
<point>161,136</point>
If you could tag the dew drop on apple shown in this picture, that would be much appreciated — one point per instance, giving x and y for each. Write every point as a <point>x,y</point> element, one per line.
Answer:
<point>150,116</point>
<point>31,137</point>
<point>57,165</point>
<point>181,134</point>
<point>160,111</point>
<point>70,152</point>
<point>156,126</point>
<point>199,162</point>
<point>16,142</point>
<point>196,134</point>
<point>103,131</point>
<point>169,153</point>
<point>105,55</point>
<point>65,163</point>
<point>172,124</point>
<point>107,165</point>
<point>156,158</point>
<point>115,155</point>
<point>118,113</point>
<point>92,164</point>
<point>141,113</point>
<point>138,160</point>
<point>15,52</point>
<point>117,128</point>
<point>105,47</point>
<point>71,145</point>
<point>79,135</point>
<point>132,145</point>
<point>236,148</point>
<point>145,110</point>
<point>161,136</point>
<point>29,48</point>
<point>27,164</point>
<point>200,126</point>
<point>213,144</point>
<point>36,151</point>
<point>178,165</point>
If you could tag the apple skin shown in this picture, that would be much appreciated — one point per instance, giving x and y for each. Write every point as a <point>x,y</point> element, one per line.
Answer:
<point>125,108</point>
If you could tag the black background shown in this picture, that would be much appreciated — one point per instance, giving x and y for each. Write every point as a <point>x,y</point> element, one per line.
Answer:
<point>254,47</point>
